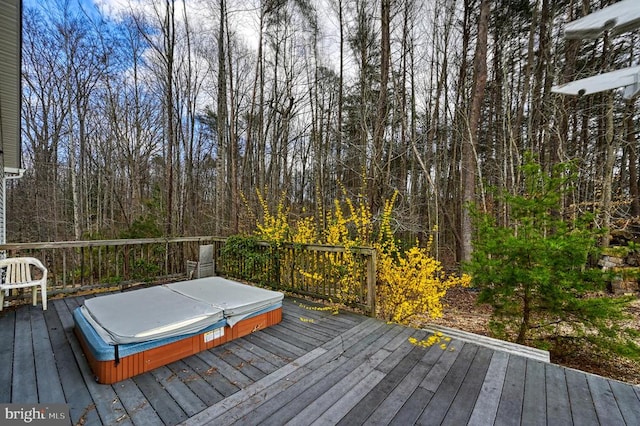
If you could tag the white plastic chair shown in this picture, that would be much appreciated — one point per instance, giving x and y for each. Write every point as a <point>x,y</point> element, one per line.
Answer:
<point>204,266</point>
<point>18,275</point>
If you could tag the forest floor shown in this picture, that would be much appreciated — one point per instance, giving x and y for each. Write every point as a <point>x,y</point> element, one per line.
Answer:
<point>464,313</point>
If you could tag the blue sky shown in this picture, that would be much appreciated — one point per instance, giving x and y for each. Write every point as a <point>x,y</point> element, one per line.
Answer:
<point>87,5</point>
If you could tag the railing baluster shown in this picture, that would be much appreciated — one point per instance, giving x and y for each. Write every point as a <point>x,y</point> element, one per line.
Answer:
<point>291,267</point>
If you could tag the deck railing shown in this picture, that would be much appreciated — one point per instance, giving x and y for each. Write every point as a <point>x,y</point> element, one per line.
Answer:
<point>326,272</point>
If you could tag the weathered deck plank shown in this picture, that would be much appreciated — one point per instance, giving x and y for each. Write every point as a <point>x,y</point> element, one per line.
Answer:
<point>486,405</point>
<point>512,396</point>
<point>469,390</point>
<point>261,361</point>
<point>159,399</point>
<point>49,387</point>
<point>628,402</point>
<point>583,411</point>
<point>534,412</point>
<point>201,365</point>
<point>312,368</point>
<point>213,413</point>
<point>436,411</point>
<point>200,388</point>
<point>331,349</point>
<point>188,400</point>
<point>401,365</point>
<point>604,401</point>
<point>24,387</point>
<point>312,405</point>
<point>235,363</point>
<point>394,402</point>
<point>76,376</point>
<point>436,375</point>
<point>7,329</point>
<point>557,396</point>
<point>138,407</point>
<point>339,410</point>
<point>279,394</point>
<point>308,389</point>
<point>412,408</point>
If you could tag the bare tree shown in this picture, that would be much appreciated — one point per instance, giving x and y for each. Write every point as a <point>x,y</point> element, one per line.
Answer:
<point>469,147</point>
<point>164,47</point>
<point>222,126</point>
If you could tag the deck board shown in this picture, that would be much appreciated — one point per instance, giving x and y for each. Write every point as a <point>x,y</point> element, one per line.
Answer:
<point>310,388</point>
<point>338,411</point>
<point>394,402</point>
<point>184,396</point>
<point>162,402</point>
<point>436,411</point>
<point>236,374</point>
<point>436,375</point>
<point>469,390</point>
<point>604,401</point>
<point>301,342</point>
<point>308,385</point>
<point>7,328</point>
<point>629,403</point>
<point>286,348</point>
<point>24,387</point>
<point>534,412</point>
<point>236,363</point>
<point>201,365</point>
<point>311,405</point>
<point>255,350</point>
<point>138,407</point>
<point>583,411</point>
<point>96,401</point>
<point>199,388</point>
<point>557,395</point>
<point>48,384</point>
<point>401,365</point>
<point>255,357</point>
<point>512,396</point>
<point>314,367</point>
<point>486,405</point>
<point>412,409</point>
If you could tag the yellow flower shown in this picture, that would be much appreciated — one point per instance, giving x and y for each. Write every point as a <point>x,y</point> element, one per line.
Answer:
<point>409,282</point>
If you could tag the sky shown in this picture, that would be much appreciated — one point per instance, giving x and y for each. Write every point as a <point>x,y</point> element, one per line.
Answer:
<point>243,16</point>
<point>86,5</point>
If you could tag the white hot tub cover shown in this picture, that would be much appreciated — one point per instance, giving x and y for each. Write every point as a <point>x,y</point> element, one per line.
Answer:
<point>237,300</point>
<point>148,314</point>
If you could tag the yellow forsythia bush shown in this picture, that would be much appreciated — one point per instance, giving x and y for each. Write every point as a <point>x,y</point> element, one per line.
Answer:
<point>414,283</point>
<point>408,283</point>
<point>273,228</point>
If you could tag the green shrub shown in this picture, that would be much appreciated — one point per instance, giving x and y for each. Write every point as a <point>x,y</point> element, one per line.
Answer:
<point>535,270</point>
<point>243,257</point>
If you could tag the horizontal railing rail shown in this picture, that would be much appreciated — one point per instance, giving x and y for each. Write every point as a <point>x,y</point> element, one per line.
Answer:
<point>327,272</point>
<point>75,266</point>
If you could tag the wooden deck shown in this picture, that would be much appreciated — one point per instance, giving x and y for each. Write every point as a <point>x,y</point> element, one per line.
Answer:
<point>313,368</point>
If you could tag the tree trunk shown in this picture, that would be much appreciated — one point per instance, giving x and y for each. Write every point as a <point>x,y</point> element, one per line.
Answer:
<point>380,125</point>
<point>609,154</point>
<point>634,192</point>
<point>221,121</point>
<point>469,147</point>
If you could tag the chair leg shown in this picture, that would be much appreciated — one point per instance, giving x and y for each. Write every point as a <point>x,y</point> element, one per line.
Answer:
<point>1,300</point>
<point>34,295</point>
<point>43,291</point>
